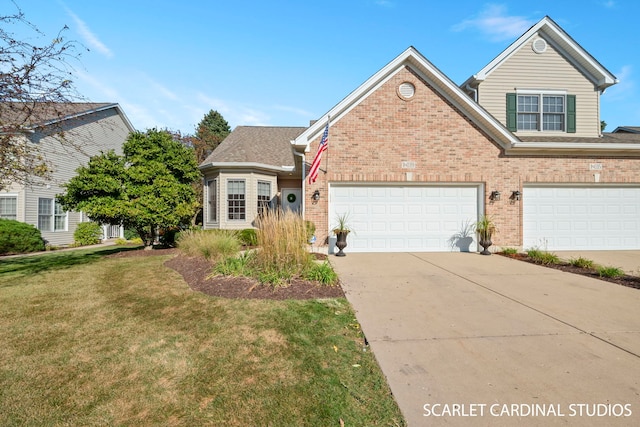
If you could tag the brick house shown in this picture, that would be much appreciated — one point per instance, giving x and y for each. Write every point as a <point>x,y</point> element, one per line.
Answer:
<point>415,159</point>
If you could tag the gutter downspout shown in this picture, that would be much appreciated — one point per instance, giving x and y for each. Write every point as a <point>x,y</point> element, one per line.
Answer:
<point>304,178</point>
<point>475,92</point>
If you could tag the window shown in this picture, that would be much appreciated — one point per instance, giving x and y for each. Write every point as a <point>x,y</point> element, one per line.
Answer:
<point>51,217</point>
<point>236,199</point>
<point>8,207</point>
<point>538,111</point>
<point>212,188</point>
<point>264,195</point>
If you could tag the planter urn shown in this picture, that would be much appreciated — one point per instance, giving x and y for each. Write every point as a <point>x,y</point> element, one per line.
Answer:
<point>485,242</point>
<point>341,242</point>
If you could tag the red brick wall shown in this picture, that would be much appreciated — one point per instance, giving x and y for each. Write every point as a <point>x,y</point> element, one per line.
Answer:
<point>371,141</point>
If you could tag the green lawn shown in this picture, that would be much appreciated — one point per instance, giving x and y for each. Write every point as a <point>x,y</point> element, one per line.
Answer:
<point>89,340</point>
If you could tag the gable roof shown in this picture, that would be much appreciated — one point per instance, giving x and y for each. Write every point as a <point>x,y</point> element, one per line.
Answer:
<point>627,129</point>
<point>551,32</point>
<point>427,71</point>
<point>265,147</point>
<point>16,116</point>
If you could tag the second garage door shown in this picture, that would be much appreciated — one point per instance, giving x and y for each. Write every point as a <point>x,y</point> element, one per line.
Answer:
<point>407,218</point>
<point>581,217</point>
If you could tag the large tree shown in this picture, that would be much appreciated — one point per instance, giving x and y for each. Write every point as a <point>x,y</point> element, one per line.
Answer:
<point>211,130</point>
<point>147,188</point>
<point>33,78</point>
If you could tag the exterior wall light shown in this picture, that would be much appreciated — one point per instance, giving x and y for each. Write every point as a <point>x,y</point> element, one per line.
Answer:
<point>516,195</point>
<point>494,196</point>
<point>316,195</point>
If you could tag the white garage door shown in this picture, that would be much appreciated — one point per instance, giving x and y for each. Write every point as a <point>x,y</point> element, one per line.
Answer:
<point>407,218</point>
<point>581,218</point>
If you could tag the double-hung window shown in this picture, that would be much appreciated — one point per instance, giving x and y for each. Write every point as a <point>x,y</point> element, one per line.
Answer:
<point>546,111</point>
<point>51,217</point>
<point>264,195</point>
<point>236,199</point>
<point>8,207</point>
<point>212,189</point>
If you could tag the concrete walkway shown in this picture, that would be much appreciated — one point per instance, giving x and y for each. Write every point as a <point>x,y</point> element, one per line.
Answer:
<point>466,339</point>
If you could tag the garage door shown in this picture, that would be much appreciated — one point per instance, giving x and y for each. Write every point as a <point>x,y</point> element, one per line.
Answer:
<point>407,218</point>
<point>581,218</point>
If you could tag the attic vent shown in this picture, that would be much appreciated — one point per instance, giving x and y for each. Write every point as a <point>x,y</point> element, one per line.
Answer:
<point>539,45</point>
<point>406,90</point>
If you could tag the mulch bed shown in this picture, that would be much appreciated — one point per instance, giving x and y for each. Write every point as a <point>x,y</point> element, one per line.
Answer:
<point>196,272</point>
<point>626,280</point>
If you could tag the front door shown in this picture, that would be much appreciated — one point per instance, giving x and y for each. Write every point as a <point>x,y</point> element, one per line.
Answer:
<point>291,199</point>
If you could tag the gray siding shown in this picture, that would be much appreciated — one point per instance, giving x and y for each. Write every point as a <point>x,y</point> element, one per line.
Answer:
<point>526,69</point>
<point>91,134</point>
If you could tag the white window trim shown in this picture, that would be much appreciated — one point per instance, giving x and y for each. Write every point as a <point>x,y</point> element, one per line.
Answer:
<point>245,200</point>
<point>11,196</point>
<point>53,216</point>
<point>541,93</point>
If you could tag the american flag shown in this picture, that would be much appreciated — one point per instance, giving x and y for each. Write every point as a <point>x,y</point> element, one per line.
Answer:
<point>315,165</point>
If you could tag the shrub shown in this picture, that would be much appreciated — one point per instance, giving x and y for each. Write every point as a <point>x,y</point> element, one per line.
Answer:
<point>236,265</point>
<point>282,237</point>
<point>130,234</point>
<point>87,233</point>
<point>611,272</point>
<point>248,237</point>
<point>322,273</point>
<point>509,251</point>
<point>543,257</point>
<point>581,262</point>
<point>18,238</point>
<point>311,229</point>
<point>211,244</point>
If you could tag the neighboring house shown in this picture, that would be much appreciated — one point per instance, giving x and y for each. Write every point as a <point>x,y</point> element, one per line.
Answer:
<point>627,129</point>
<point>89,129</point>
<point>415,159</point>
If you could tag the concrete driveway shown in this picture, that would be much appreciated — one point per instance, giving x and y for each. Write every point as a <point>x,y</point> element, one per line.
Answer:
<point>466,339</point>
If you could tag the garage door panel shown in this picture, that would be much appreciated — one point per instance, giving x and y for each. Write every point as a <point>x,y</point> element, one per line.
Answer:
<point>397,218</point>
<point>581,217</point>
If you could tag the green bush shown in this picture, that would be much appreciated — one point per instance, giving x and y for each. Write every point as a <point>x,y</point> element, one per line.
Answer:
<point>581,262</point>
<point>87,233</point>
<point>611,272</point>
<point>509,251</point>
<point>248,237</point>
<point>322,273</point>
<point>543,257</point>
<point>311,229</point>
<point>130,234</point>
<point>18,238</point>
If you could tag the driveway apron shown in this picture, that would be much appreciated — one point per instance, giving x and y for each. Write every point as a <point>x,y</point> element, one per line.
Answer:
<point>466,339</point>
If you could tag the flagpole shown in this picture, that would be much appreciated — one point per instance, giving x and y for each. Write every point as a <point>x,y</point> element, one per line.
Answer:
<point>326,174</point>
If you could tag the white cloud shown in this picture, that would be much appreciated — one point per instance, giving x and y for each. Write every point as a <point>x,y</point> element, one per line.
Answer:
<point>494,22</point>
<point>90,38</point>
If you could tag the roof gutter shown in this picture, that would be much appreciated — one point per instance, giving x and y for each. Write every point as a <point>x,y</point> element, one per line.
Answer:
<point>574,148</point>
<point>284,168</point>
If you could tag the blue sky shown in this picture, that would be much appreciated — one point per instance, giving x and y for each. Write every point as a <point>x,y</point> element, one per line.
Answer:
<point>283,63</point>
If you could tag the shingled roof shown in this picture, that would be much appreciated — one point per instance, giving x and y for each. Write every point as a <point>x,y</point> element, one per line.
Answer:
<point>256,145</point>
<point>607,138</point>
<point>29,115</point>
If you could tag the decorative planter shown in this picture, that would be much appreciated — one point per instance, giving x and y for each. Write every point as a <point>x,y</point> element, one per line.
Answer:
<point>485,242</point>
<point>341,242</point>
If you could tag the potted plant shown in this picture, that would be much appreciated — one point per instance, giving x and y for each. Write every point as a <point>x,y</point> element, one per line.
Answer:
<point>341,230</point>
<point>485,227</point>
